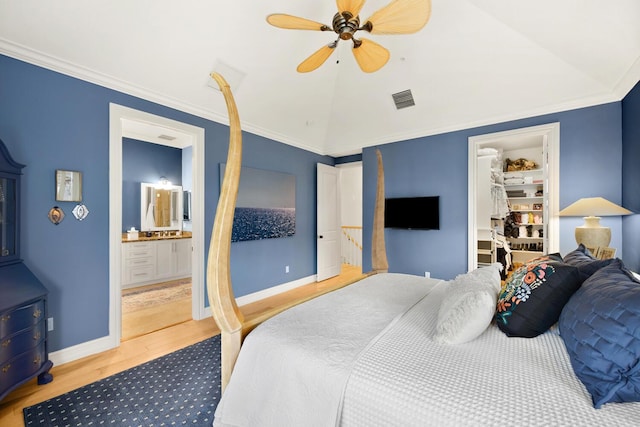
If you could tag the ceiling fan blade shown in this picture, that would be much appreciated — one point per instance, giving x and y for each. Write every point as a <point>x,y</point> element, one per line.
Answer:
<point>351,6</point>
<point>290,22</point>
<point>317,59</point>
<point>370,55</point>
<point>400,17</point>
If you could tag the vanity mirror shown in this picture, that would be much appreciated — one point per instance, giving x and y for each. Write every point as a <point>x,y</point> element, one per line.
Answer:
<point>160,207</point>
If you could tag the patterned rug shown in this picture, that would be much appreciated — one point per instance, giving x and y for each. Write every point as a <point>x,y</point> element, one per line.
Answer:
<point>181,388</point>
<point>134,299</point>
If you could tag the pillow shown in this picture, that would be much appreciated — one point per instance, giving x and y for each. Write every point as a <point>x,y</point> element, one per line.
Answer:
<point>583,259</point>
<point>469,305</point>
<point>533,297</point>
<point>600,327</point>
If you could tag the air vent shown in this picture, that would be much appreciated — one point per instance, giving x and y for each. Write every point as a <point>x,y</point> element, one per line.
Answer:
<point>166,137</point>
<point>403,99</point>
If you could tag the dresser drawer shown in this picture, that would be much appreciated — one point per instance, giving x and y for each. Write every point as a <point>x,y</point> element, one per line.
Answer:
<point>138,262</point>
<point>13,345</point>
<point>21,318</point>
<point>20,367</point>
<point>139,274</point>
<point>138,250</point>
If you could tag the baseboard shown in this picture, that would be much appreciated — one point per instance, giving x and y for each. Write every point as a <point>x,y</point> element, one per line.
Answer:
<point>99,345</point>
<point>275,290</point>
<point>84,349</point>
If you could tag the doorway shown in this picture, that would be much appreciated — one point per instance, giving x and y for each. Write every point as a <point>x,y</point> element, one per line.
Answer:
<point>482,237</point>
<point>129,123</point>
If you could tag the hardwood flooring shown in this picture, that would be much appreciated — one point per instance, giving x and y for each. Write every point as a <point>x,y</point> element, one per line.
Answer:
<point>143,348</point>
<point>154,317</point>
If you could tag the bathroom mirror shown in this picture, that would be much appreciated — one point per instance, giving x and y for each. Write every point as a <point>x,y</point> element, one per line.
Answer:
<point>160,207</point>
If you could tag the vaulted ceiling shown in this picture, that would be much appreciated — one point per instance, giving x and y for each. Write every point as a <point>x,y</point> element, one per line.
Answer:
<point>476,62</point>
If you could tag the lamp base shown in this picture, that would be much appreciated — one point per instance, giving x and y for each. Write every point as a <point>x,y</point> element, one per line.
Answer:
<point>593,237</point>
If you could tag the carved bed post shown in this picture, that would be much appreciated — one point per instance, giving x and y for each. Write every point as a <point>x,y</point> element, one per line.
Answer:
<point>379,262</point>
<point>221,298</point>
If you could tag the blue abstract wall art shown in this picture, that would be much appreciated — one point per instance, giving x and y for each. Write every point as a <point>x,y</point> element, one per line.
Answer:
<point>266,206</point>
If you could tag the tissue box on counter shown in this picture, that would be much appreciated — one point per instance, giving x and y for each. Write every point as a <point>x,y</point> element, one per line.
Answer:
<point>132,234</point>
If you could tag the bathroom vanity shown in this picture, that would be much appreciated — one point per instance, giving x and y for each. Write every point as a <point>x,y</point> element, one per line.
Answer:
<point>158,258</point>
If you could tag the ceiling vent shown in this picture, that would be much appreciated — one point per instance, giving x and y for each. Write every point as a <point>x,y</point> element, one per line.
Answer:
<point>166,137</point>
<point>403,99</point>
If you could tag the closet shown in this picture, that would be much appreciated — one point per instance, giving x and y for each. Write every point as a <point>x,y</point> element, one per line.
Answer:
<point>513,196</point>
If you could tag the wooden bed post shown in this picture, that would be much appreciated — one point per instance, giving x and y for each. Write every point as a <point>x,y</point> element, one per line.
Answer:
<point>221,298</point>
<point>379,262</point>
<point>226,313</point>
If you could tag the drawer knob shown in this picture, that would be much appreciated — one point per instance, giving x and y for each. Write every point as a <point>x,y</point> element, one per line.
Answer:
<point>37,360</point>
<point>37,335</point>
<point>5,318</point>
<point>37,313</point>
<point>6,368</point>
<point>6,343</point>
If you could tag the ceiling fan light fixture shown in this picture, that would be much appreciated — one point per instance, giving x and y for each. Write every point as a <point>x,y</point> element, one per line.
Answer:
<point>398,17</point>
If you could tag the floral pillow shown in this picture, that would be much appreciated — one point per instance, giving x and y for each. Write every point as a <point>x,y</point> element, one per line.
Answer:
<point>533,297</point>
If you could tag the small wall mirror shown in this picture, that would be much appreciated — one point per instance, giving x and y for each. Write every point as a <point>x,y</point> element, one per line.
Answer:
<point>160,207</point>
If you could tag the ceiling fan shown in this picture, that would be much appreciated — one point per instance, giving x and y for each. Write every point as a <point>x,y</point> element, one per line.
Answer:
<point>398,17</point>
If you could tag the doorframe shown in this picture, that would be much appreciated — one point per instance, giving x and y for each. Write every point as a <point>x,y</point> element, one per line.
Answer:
<point>121,120</point>
<point>552,132</point>
<point>321,272</point>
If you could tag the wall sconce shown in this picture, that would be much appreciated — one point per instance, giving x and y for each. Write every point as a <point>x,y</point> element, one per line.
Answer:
<point>592,234</point>
<point>163,182</point>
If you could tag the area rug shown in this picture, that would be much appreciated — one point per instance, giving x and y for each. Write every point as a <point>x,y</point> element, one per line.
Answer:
<point>134,299</point>
<point>181,388</point>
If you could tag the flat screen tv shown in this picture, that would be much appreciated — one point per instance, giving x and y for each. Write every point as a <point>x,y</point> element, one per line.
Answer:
<point>415,213</point>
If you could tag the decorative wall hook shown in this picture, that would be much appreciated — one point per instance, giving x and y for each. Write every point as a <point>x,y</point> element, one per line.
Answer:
<point>56,215</point>
<point>80,212</point>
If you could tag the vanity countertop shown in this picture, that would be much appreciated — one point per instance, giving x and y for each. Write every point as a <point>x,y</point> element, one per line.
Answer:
<point>157,235</point>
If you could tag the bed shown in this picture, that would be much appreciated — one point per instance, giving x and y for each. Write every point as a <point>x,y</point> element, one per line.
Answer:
<point>558,344</point>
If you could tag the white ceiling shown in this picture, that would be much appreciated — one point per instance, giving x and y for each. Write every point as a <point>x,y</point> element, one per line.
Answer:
<point>476,62</point>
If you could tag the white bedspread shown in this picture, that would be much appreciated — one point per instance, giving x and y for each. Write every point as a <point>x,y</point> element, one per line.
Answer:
<point>306,367</point>
<point>406,379</point>
<point>292,368</point>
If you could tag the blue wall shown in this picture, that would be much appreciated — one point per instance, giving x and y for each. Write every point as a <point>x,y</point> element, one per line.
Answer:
<point>51,121</point>
<point>590,163</point>
<point>145,162</point>
<point>631,176</point>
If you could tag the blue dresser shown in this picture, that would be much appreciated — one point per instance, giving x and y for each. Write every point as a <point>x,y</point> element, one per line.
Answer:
<point>23,299</point>
<point>23,328</point>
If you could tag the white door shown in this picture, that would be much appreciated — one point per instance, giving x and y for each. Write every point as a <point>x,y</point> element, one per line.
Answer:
<point>328,219</point>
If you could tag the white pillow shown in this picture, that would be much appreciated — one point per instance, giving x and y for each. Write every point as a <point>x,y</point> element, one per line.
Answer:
<point>469,305</point>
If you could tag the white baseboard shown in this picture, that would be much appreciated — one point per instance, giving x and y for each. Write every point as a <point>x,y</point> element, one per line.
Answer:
<point>274,290</point>
<point>99,345</point>
<point>84,349</point>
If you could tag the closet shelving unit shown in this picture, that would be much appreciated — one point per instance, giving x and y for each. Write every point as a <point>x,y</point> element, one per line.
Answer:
<point>527,199</point>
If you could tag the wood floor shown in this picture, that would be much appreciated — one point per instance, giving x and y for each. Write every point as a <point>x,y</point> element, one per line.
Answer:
<point>141,349</point>
<point>154,317</point>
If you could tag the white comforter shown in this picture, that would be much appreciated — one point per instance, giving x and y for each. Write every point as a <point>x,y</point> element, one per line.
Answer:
<point>363,356</point>
<point>292,368</point>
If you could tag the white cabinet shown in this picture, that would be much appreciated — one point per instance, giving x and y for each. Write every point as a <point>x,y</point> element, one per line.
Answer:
<point>138,262</point>
<point>154,261</point>
<point>183,252</point>
<point>173,258</point>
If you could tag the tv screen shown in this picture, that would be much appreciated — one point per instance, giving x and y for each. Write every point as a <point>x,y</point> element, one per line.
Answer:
<point>418,213</point>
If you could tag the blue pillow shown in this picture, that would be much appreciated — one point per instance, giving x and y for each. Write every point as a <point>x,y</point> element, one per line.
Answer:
<point>583,259</point>
<point>533,296</point>
<point>600,326</point>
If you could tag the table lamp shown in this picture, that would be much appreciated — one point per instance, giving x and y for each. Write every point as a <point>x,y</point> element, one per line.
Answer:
<point>592,234</point>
